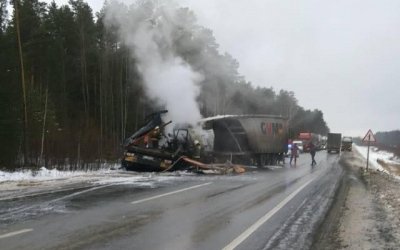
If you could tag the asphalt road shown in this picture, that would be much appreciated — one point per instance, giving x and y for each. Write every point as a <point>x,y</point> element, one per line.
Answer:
<point>277,208</point>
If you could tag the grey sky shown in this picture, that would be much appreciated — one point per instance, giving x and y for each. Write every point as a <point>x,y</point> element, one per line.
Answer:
<point>342,57</point>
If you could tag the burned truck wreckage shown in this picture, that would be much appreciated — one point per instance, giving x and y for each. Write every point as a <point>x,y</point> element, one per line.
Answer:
<point>219,142</point>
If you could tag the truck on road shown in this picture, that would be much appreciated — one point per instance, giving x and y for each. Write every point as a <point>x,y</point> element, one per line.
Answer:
<point>307,137</point>
<point>347,143</point>
<point>334,142</point>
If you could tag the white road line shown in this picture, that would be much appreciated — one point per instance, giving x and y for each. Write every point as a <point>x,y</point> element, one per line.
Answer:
<point>174,192</point>
<point>41,193</point>
<point>263,219</point>
<point>15,233</point>
<point>80,192</point>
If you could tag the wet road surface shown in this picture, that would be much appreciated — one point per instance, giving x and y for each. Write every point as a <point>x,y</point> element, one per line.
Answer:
<point>269,208</point>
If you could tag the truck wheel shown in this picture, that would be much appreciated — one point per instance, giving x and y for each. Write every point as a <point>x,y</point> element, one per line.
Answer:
<point>124,165</point>
<point>260,160</point>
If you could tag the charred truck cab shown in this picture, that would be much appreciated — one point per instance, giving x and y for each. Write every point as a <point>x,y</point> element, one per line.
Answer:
<point>150,149</point>
<point>246,139</point>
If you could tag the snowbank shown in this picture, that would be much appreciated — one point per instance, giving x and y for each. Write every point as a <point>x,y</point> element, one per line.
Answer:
<point>375,155</point>
<point>45,174</point>
<point>44,178</point>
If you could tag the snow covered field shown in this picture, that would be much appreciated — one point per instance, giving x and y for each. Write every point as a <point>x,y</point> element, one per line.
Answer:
<point>389,159</point>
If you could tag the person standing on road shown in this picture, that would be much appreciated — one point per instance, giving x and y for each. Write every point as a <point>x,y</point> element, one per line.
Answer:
<point>294,153</point>
<point>312,149</point>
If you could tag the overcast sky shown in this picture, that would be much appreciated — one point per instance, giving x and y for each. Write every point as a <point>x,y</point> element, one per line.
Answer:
<point>342,57</point>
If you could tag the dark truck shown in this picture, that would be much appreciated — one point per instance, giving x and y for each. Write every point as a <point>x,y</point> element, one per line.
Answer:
<point>347,143</point>
<point>149,149</point>
<point>334,142</point>
<point>244,139</point>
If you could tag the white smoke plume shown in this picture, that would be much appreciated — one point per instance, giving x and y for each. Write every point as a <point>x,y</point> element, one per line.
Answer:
<point>148,29</point>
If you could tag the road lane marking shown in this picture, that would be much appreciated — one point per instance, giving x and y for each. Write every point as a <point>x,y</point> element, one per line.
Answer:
<point>78,193</point>
<point>42,193</point>
<point>15,233</point>
<point>264,219</point>
<point>166,194</point>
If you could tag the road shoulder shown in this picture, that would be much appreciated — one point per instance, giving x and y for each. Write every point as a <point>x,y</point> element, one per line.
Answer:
<point>365,213</point>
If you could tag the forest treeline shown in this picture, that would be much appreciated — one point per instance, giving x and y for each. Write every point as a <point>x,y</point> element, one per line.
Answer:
<point>71,92</point>
<point>388,141</point>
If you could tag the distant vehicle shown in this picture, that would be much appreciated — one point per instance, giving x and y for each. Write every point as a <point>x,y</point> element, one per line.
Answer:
<point>324,142</point>
<point>299,145</point>
<point>347,143</point>
<point>334,142</point>
<point>307,137</point>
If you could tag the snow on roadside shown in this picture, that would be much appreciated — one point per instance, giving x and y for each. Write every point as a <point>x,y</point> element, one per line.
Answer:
<point>375,155</point>
<point>44,174</point>
<point>44,178</point>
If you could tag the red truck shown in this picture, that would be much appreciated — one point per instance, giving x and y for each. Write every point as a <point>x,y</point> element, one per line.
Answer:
<point>307,137</point>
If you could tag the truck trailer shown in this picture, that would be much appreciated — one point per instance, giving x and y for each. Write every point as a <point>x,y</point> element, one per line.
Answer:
<point>250,139</point>
<point>334,142</point>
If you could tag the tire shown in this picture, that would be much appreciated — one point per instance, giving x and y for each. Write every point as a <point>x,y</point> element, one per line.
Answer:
<point>260,160</point>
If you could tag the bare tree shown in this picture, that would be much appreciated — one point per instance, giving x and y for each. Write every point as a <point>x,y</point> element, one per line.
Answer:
<point>44,126</point>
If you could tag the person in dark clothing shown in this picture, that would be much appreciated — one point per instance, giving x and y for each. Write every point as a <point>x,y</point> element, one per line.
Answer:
<point>312,149</point>
<point>294,153</point>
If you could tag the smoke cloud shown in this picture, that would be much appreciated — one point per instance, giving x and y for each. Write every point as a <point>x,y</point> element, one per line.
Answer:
<point>148,28</point>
